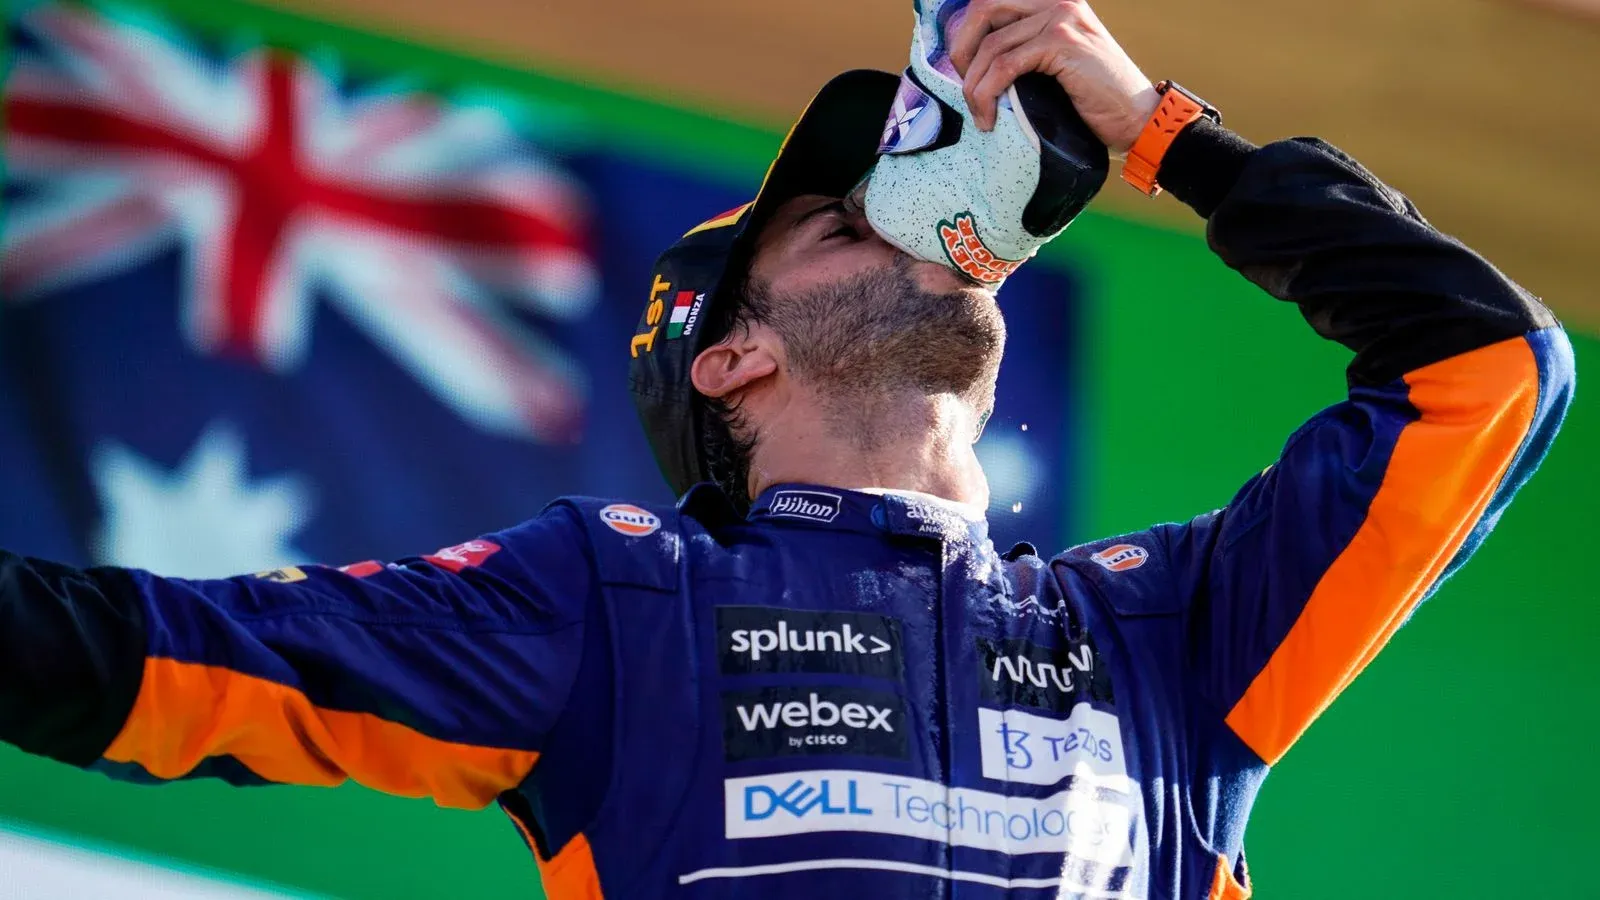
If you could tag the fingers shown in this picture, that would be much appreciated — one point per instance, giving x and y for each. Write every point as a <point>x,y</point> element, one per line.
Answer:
<point>980,18</point>
<point>985,81</point>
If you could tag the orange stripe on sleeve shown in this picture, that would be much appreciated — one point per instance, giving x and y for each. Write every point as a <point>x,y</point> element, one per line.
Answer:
<point>187,712</point>
<point>1476,410</point>
<point>570,874</point>
<point>1224,886</point>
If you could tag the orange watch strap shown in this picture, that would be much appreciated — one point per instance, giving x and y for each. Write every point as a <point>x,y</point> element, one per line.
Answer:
<point>1176,110</point>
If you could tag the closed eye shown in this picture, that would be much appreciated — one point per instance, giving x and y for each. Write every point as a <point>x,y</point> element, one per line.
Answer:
<point>831,219</point>
<point>844,229</point>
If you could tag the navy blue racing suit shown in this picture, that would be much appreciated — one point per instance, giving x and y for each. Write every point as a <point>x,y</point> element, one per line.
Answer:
<point>853,693</point>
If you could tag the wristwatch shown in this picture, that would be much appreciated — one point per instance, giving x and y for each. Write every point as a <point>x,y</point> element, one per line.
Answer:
<point>1179,108</point>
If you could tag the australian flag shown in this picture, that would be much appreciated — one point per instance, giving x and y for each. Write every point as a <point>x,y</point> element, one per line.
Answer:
<point>256,310</point>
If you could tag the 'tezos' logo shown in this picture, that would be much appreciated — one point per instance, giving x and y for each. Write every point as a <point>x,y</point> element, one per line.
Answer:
<point>461,556</point>
<point>625,518</point>
<point>1024,673</point>
<point>796,721</point>
<point>817,506</point>
<point>767,639</point>
<point>967,252</point>
<point>1121,557</point>
<point>1016,745</point>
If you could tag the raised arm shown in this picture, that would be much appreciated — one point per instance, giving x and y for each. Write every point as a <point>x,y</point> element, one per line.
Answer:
<point>1459,383</point>
<point>436,676</point>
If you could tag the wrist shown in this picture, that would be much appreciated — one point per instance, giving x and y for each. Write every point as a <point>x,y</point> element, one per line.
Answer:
<point>1203,163</point>
<point>1177,109</point>
<point>1144,105</point>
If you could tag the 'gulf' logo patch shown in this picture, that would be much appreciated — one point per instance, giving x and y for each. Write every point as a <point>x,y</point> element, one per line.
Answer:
<point>1121,557</point>
<point>625,518</point>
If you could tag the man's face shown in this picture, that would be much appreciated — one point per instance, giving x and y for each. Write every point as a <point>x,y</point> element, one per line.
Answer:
<point>859,317</point>
<point>814,240</point>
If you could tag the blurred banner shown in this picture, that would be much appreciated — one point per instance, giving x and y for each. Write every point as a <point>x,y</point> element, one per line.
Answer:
<point>262,308</point>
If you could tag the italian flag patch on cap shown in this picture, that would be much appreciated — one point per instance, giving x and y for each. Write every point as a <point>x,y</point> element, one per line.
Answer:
<point>684,312</point>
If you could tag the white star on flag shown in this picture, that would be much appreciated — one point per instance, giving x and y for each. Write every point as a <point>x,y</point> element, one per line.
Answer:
<point>203,519</point>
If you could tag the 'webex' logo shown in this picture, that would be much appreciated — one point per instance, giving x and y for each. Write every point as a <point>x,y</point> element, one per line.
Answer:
<point>769,639</point>
<point>814,505</point>
<point>799,721</point>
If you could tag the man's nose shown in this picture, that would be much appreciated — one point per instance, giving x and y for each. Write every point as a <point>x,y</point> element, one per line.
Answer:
<point>855,210</point>
<point>857,218</point>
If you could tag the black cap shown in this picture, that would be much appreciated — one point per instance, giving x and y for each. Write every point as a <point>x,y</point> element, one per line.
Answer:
<point>828,151</point>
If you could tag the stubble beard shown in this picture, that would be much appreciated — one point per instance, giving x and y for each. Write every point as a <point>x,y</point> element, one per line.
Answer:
<point>870,343</point>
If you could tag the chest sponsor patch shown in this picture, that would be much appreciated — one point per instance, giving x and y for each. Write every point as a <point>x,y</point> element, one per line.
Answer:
<point>1020,746</point>
<point>805,721</point>
<point>1022,673</point>
<point>768,639</point>
<point>1085,821</point>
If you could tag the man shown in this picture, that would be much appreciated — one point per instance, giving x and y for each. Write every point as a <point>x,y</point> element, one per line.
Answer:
<point>848,692</point>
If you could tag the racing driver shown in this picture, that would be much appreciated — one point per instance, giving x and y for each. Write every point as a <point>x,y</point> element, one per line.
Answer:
<point>815,676</point>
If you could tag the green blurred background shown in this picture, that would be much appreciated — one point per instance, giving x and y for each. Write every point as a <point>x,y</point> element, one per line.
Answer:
<point>1457,766</point>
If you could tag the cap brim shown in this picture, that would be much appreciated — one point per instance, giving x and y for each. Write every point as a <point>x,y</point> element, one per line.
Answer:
<point>831,147</point>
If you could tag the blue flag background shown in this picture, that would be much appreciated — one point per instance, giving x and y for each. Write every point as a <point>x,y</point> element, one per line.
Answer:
<point>329,417</point>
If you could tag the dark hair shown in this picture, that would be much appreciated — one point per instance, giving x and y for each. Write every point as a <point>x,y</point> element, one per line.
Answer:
<point>725,435</point>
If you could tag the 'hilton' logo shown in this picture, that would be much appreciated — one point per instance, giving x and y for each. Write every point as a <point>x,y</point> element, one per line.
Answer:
<point>814,505</point>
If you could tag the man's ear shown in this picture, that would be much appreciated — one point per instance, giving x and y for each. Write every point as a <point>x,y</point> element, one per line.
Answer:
<point>733,363</point>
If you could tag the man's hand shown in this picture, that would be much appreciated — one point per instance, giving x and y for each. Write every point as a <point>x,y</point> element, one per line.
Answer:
<point>999,40</point>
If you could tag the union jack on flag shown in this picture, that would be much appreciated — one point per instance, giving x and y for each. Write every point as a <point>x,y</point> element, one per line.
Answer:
<point>416,220</point>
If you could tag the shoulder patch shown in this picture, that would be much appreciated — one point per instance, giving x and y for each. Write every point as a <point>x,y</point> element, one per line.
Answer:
<point>285,575</point>
<point>463,556</point>
<point>629,520</point>
<point>1121,557</point>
